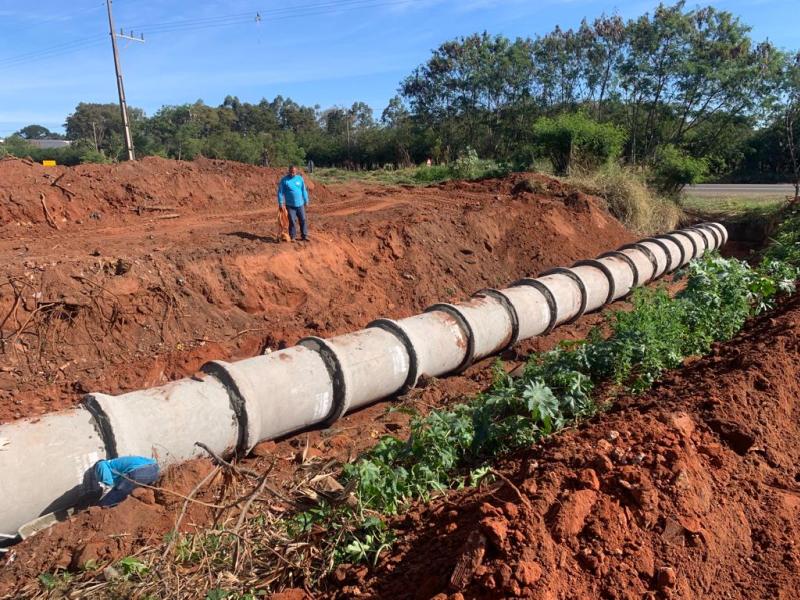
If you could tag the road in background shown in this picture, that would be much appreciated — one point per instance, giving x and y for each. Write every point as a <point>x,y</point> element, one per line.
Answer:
<point>751,190</point>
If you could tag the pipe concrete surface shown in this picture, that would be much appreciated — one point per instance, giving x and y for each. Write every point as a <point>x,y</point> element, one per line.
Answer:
<point>278,392</point>
<point>43,463</point>
<point>165,422</point>
<point>362,355</point>
<point>233,406</point>
<point>440,341</point>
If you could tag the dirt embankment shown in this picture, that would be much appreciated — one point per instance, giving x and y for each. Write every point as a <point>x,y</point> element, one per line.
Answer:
<point>111,296</point>
<point>690,491</point>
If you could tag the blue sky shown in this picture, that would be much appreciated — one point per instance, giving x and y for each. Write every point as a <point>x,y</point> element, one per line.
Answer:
<point>54,54</point>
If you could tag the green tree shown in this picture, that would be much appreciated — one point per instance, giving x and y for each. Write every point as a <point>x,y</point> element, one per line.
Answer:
<point>575,139</point>
<point>34,132</point>
<point>674,169</point>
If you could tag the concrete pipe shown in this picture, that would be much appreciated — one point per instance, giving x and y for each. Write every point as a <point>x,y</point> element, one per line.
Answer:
<point>440,340</point>
<point>713,232</point>
<point>623,271</point>
<point>235,405</point>
<point>565,295</point>
<point>710,238</point>
<point>360,356</point>
<point>487,322</point>
<point>278,393</point>
<point>723,232</point>
<point>43,465</point>
<point>664,256</point>
<point>165,422</point>
<point>644,259</point>
<point>532,309</point>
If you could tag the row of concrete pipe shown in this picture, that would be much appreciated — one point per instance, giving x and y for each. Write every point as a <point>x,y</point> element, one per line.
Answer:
<point>233,406</point>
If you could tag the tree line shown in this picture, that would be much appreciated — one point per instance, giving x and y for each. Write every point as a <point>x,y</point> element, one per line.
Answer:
<point>686,88</point>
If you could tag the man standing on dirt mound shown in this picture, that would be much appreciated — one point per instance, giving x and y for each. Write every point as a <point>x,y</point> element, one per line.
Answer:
<point>292,191</point>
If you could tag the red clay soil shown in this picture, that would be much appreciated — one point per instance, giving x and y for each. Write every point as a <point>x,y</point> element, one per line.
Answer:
<point>127,276</point>
<point>690,491</point>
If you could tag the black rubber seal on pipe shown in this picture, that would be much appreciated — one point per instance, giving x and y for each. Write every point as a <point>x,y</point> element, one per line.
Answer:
<point>691,239</point>
<point>218,371</point>
<point>469,355</point>
<point>677,242</point>
<point>714,233</point>
<point>413,360</point>
<point>719,227</point>
<point>648,253</point>
<point>334,366</point>
<point>91,404</point>
<point>581,286</point>
<point>612,285</point>
<point>663,247</point>
<point>512,313</point>
<point>704,231</point>
<point>548,296</point>
<point>628,261</point>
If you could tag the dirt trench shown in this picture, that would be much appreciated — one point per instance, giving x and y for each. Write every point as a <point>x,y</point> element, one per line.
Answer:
<point>100,292</point>
<point>689,491</point>
<point>131,300</point>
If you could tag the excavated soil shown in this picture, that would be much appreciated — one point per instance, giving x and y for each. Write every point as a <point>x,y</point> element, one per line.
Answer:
<point>129,300</point>
<point>122,277</point>
<point>690,491</point>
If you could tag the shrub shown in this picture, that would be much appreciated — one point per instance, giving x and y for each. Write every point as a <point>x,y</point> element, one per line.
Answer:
<point>434,173</point>
<point>674,169</point>
<point>467,165</point>
<point>16,145</point>
<point>90,155</point>
<point>629,199</point>
<point>576,140</point>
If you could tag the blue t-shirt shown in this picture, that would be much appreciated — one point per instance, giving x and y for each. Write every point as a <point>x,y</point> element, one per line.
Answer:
<point>109,472</point>
<point>292,190</point>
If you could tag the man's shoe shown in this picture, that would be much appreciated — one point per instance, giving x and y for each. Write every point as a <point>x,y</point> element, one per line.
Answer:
<point>305,239</point>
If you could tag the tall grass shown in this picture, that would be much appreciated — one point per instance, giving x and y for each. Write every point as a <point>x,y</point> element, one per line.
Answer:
<point>629,199</point>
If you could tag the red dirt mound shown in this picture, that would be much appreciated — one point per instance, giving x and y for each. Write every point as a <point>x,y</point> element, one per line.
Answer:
<point>134,300</point>
<point>33,196</point>
<point>688,492</point>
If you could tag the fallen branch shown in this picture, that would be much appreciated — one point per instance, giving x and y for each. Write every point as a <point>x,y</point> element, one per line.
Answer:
<point>140,209</point>
<point>509,483</point>
<point>61,187</point>
<point>188,499</point>
<point>47,215</point>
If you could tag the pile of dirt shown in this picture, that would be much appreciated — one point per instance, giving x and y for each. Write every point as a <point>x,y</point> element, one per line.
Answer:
<point>90,196</point>
<point>135,300</point>
<point>689,491</point>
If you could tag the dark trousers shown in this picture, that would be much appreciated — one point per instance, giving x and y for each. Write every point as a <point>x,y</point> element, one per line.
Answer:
<point>298,212</point>
<point>146,474</point>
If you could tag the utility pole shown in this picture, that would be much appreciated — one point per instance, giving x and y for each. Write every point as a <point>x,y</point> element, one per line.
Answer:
<point>123,106</point>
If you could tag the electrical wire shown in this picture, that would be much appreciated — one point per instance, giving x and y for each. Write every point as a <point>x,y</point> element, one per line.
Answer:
<point>305,11</point>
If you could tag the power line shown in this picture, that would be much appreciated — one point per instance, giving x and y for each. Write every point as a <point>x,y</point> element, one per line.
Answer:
<point>309,10</point>
<point>48,50</point>
<point>305,11</point>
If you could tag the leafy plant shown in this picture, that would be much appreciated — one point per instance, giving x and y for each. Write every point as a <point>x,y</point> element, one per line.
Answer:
<point>132,566</point>
<point>674,169</point>
<point>575,139</point>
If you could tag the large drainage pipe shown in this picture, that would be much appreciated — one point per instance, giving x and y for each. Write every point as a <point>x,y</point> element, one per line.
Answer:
<point>230,407</point>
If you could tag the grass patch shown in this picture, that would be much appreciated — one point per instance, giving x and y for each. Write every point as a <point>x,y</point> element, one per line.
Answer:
<point>726,207</point>
<point>465,169</point>
<point>629,199</point>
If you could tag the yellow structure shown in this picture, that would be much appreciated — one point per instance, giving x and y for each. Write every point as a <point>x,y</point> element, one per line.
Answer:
<point>49,163</point>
